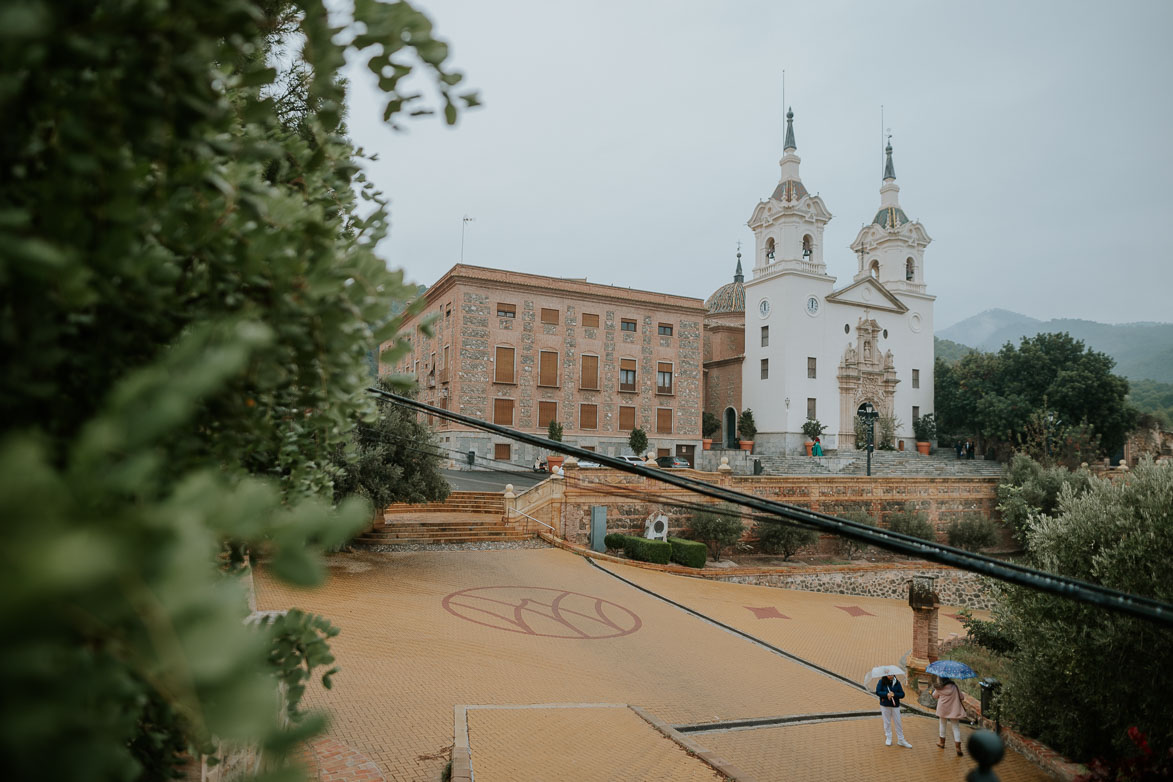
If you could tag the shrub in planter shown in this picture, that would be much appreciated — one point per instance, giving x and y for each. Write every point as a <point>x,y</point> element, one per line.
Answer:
<point>780,537</point>
<point>657,551</point>
<point>637,441</point>
<point>972,532</point>
<point>812,428</point>
<point>911,522</point>
<point>747,429</point>
<point>710,425</point>
<point>848,547</point>
<point>924,428</point>
<point>614,540</point>
<point>690,553</point>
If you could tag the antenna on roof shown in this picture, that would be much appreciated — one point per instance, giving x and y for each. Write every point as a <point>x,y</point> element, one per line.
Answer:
<point>464,224</point>
<point>881,141</point>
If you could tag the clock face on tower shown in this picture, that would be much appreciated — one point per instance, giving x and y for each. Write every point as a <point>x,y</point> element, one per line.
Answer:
<point>812,306</point>
<point>764,308</point>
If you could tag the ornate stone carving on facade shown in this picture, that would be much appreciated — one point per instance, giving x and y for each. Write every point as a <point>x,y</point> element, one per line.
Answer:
<point>865,375</point>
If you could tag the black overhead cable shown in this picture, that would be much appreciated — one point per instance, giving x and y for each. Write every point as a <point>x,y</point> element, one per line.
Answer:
<point>1112,599</point>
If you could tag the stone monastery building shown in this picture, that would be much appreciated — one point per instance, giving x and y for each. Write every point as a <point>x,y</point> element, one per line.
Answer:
<point>811,349</point>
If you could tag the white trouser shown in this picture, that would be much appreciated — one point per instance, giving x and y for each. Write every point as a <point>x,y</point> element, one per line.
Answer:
<point>891,714</point>
<point>941,728</point>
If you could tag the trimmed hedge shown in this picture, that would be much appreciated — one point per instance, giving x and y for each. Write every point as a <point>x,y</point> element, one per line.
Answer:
<point>690,553</point>
<point>614,540</point>
<point>657,551</point>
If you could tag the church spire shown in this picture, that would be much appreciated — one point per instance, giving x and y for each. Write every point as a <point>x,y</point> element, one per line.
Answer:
<point>738,276</point>
<point>889,169</point>
<point>789,143</point>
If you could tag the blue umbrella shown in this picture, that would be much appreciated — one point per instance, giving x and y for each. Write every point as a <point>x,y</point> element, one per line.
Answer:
<point>951,669</point>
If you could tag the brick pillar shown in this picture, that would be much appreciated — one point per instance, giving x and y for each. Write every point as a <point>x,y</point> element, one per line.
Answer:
<point>924,603</point>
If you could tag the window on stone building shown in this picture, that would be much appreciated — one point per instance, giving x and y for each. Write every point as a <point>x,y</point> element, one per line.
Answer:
<point>915,414</point>
<point>547,412</point>
<point>588,416</point>
<point>590,320</point>
<point>916,378</point>
<point>501,451</point>
<point>909,269</point>
<point>445,364</point>
<point>503,365</point>
<point>626,418</point>
<point>590,448</point>
<point>663,452</point>
<point>765,369</point>
<point>664,420</point>
<point>506,310</point>
<point>663,377</point>
<point>589,376</point>
<point>626,325</point>
<point>808,247</point>
<point>549,316</point>
<point>447,310</point>
<point>765,336</point>
<point>503,412</point>
<point>664,329</point>
<point>811,367</point>
<point>627,374</point>
<point>812,411</point>
<point>548,368</point>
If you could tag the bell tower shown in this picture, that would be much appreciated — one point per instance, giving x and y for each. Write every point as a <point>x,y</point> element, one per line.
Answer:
<point>892,248</point>
<point>788,226</point>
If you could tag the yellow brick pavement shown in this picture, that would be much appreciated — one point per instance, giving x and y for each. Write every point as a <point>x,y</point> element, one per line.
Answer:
<point>576,745</point>
<point>816,629</point>
<point>854,750</point>
<point>543,626</point>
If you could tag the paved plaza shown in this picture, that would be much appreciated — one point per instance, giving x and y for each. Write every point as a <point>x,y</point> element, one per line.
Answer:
<point>435,643</point>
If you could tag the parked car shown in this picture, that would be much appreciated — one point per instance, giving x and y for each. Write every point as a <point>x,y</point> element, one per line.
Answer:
<point>589,465</point>
<point>631,459</point>
<point>672,461</point>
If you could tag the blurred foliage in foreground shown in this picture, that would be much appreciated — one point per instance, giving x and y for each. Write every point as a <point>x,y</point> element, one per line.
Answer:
<point>187,296</point>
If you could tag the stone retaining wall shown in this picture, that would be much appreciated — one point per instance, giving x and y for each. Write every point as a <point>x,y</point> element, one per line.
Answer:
<point>954,587</point>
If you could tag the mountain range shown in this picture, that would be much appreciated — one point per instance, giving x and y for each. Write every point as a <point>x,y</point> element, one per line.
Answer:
<point>1141,350</point>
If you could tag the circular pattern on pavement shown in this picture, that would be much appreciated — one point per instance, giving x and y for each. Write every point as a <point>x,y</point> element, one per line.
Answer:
<point>541,611</point>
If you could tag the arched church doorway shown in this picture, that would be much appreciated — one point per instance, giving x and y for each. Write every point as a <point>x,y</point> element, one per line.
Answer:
<point>730,427</point>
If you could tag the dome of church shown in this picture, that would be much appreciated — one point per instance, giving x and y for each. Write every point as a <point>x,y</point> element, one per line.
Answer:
<point>890,217</point>
<point>730,297</point>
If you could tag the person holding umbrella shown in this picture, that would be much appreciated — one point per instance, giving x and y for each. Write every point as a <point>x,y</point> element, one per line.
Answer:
<point>949,710</point>
<point>890,693</point>
<point>948,695</point>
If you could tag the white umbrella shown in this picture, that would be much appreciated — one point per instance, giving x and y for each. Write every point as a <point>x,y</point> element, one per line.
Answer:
<point>883,670</point>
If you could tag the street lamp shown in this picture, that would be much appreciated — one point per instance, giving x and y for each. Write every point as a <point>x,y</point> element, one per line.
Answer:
<point>868,415</point>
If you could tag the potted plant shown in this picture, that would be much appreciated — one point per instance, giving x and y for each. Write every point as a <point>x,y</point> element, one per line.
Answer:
<point>812,429</point>
<point>554,432</point>
<point>710,425</point>
<point>925,429</point>
<point>747,430</point>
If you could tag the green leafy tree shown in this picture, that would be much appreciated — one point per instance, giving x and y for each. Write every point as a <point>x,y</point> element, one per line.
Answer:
<point>554,431</point>
<point>780,537</point>
<point>1029,491</point>
<point>637,441</point>
<point>1117,533</point>
<point>994,395</point>
<point>849,548</point>
<point>189,296</point>
<point>718,528</point>
<point>395,458</point>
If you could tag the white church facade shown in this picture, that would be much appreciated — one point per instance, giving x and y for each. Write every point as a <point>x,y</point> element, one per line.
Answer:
<point>817,350</point>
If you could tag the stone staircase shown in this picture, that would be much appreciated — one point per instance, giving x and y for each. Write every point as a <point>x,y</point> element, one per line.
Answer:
<point>465,517</point>
<point>941,464</point>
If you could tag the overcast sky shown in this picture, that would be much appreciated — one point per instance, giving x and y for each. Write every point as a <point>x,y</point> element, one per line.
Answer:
<point>628,142</point>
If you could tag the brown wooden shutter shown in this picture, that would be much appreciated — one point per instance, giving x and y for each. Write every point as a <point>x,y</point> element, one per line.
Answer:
<point>501,452</point>
<point>588,417</point>
<point>590,320</point>
<point>547,368</point>
<point>503,366</point>
<point>664,420</point>
<point>547,412</point>
<point>549,316</point>
<point>503,411</point>
<point>590,372</point>
<point>626,419</point>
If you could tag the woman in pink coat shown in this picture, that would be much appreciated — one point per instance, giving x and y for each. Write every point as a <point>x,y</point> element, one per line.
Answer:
<point>949,709</point>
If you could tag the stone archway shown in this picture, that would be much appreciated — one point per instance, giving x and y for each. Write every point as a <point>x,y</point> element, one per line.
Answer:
<point>730,427</point>
<point>865,375</point>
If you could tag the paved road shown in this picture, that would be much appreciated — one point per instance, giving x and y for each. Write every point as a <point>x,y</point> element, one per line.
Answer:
<point>426,632</point>
<point>490,480</point>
